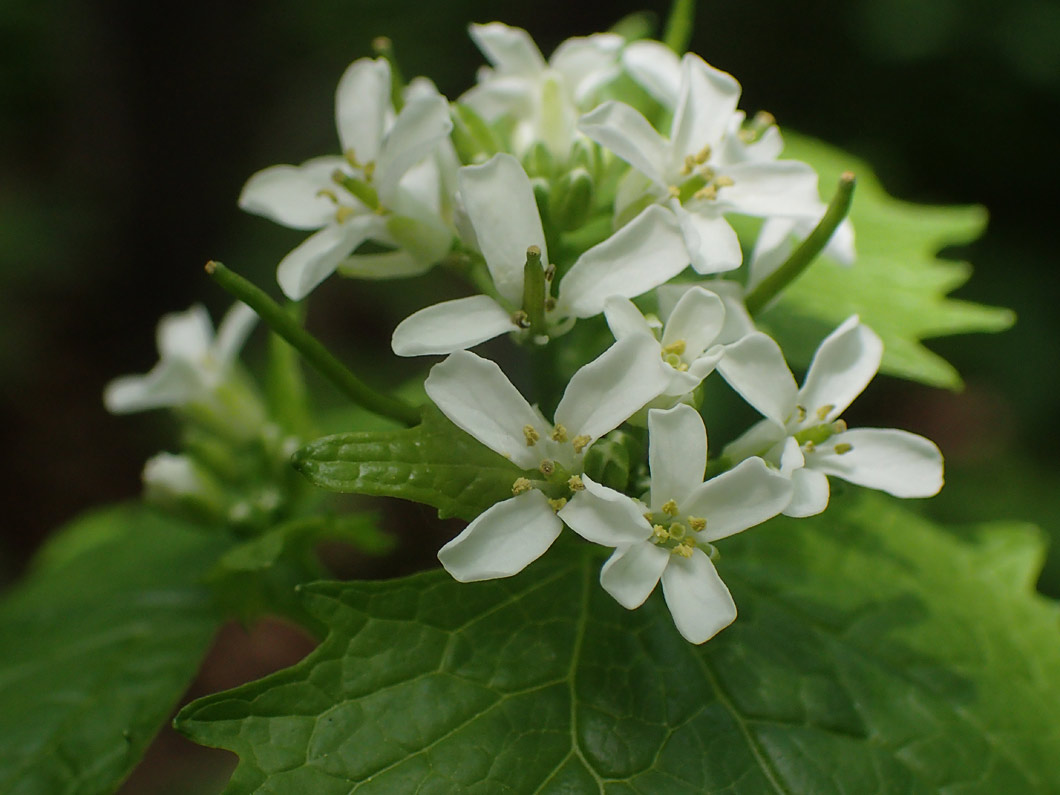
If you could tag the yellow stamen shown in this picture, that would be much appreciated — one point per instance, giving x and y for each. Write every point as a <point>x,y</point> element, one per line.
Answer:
<point>825,410</point>
<point>709,192</point>
<point>575,483</point>
<point>342,212</point>
<point>801,413</point>
<point>559,433</point>
<point>697,524</point>
<point>670,508</point>
<point>677,346</point>
<point>703,155</point>
<point>328,194</point>
<point>843,447</point>
<point>684,550</point>
<point>674,191</point>
<point>579,442</point>
<point>520,486</point>
<point>557,505</point>
<point>531,435</point>
<point>724,181</point>
<point>660,532</point>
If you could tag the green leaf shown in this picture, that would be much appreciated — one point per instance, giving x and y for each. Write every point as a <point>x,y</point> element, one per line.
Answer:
<point>897,285</point>
<point>874,652</point>
<point>96,647</point>
<point>261,575</point>
<point>434,463</point>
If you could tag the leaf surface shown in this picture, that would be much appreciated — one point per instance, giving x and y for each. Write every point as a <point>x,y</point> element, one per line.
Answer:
<point>97,645</point>
<point>898,285</point>
<point>434,463</point>
<point>874,652</point>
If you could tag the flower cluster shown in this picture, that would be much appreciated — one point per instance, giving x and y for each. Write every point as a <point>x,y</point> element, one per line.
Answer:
<point>592,191</point>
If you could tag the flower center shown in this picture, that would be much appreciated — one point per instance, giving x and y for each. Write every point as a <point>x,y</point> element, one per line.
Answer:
<point>811,438</point>
<point>677,532</point>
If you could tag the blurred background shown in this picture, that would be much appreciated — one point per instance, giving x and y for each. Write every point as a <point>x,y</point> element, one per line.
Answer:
<point>127,131</point>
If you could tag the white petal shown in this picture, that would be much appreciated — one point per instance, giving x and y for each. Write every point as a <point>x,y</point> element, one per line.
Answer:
<point>623,130</point>
<point>185,335</point>
<point>451,326</point>
<point>897,462</point>
<point>500,202</point>
<point>810,493</point>
<point>708,99</point>
<point>421,125</point>
<point>784,187</point>
<point>773,246</point>
<point>713,245</point>
<point>754,366</point>
<point>510,50</point>
<point>387,265</point>
<point>362,103</point>
<point>698,600</point>
<point>235,327</point>
<point>656,68</point>
<point>631,573</point>
<point>697,319</point>
<point>842,367</point>
<point>170,383</point>
<point>499,96</point>
<point>587,62</point>
<point>624,319</point>
<point>504,540</point>
<point>605,516</point>
<point>643,254</point>
<point>758,440</point>
<point>290,195</point>
<point>612,388</point>
<point>743,497</point>
<point>677,453</point>
<point>479,398</point>
<point>318,255</point>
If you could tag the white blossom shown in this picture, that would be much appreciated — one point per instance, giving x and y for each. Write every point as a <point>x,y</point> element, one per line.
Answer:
<point>386,186</point>
<point>477,397</point>
<point>499,203</point>
<point>805,438</point>
<point>194,363</point>
<point>671,538</point>
<point>701,172</point>
<point>543,98</point>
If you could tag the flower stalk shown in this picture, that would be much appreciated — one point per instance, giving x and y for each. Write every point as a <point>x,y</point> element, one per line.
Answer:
<point>311,348</point>
<point>807,252</point>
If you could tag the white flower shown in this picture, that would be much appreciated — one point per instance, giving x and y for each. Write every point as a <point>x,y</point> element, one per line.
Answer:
<point>194,363</point>
<point>671,538</point>
<point>544,99</point>
<point>478,398</point>
<point>381,189</point>
<point>695,172</point>
<point>500,206</point>
<point>805,438</point>
<point>697,337</point>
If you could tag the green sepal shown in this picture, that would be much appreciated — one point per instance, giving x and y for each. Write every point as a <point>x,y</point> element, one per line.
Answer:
<point>434,463</point>
<point>610,459</point>
<point>572,199</point>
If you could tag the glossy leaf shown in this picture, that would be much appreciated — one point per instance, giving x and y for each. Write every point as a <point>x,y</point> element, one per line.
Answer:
<point>874,652</point>
<point>897,284</point>
<point>97,645</point>
<point>434,463</point>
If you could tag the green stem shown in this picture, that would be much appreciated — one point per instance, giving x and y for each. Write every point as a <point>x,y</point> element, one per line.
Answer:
<point>804,255</point>
<point>311,348</point>
<point>679,25</point>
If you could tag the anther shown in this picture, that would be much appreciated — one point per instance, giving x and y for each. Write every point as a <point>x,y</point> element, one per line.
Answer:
<point>703,155</point>
<point>723,181</point>
<point>531,435</point>
<point>839,426</point>
<point>843,447</point>
<point>677,346</point>
<point>800,412</point>
<point>351,158</point>
<point>550,272</point>
<point>825,410</point>
<point>328,194</point>
<point>579,442</point>
<point>684,550</point>
<point>520,486</point>
<point>674,191</point>
<point>670,508</point>
<point>690,163</point>
<point>557,505</point>
<point>342,212</point>
<point>660,532</point>
<point>521,319</point>
<point>559,433</point>
<point>697,523</point>
<point>709,192</point>
<point>575,483</point>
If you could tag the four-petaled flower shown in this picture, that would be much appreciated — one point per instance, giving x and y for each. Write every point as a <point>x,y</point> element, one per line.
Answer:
<point>383,188</point>
<point>671,538</point>
<point>694,171</point>
<point>477,397</point>
<point>500,206</point>
<point>804,436</point>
